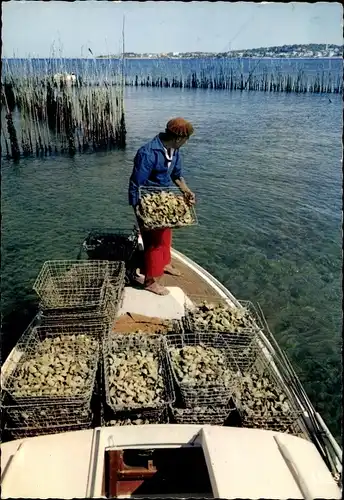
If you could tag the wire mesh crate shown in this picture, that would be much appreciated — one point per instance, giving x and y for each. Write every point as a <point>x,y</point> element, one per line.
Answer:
<point>240,326</point>
<point>47,415</point>
<point>54,317</point>
<point>111,244</point>
<point>217,314</point>
<point>16,355</point>
<point>151,388</point>
<point>110,417</point>
<point>116,274</point>
<point>95,330</point>
<point>58,364</point>
<point>262,400</point>
<point>77,284</point>
<point>286,424</point>
<point>177,327</point>
<point>165,207</point>
<point>242,348</point>
<point>145,417</point>
<point>204,415</point>
<point>202,367</point>
<point>26,432</point>
<point>295,429</point>
<point>105,312</point>
<point>70,284</point>
<point>113,300</point>
<point>254,315</point>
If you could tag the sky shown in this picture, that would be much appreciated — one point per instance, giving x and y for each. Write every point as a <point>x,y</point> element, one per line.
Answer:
<point>34,27</point>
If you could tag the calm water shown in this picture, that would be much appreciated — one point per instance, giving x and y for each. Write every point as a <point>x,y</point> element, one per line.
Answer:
<point>267,173</point>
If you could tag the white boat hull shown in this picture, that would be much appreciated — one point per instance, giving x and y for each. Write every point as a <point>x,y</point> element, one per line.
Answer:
<point>242,463</point>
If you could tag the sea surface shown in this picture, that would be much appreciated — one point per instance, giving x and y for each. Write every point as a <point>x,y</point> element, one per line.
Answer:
<point>267,173</point>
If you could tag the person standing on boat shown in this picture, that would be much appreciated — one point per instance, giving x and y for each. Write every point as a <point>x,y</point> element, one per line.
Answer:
<point>158,163</point>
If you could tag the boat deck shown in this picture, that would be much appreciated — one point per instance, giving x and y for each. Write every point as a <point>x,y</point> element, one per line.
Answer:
<point>190,282</point>
<point>140,307</point>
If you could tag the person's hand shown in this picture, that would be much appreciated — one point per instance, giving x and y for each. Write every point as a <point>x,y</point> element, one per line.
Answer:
<point>190,198</point>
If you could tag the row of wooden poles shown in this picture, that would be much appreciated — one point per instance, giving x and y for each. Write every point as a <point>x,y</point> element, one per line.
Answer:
<point>300,83</point>
<point>59,118</point>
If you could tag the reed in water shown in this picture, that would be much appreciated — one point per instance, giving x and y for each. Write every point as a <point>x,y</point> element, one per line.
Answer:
<point>60,113</point>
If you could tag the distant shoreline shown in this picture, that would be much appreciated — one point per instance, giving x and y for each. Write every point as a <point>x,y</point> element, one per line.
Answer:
<point>118,58</point>
<point>208,57</point>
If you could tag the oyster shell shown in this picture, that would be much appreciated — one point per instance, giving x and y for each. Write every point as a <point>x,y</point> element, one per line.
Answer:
<point>165,209</point>
<point>128,421</point>
<point>135,419</point>
<point>201,415</point>
<point>262,403</point>
<point>200,365</point>
<point>58,366</point>
<point>135,378</point>
<point>48,415</point>
<point>220,317</point>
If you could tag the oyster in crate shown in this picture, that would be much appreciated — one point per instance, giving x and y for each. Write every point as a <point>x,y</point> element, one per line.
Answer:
<point>202,373</point>
<point>262,403</point>
<point>135,378</point>
<point>58,366</point>
<point>137,419</point>
<point>212,415</point>
<point>128,421</point>
<point>220,317</point>
<point>24,432</point>
<point>48,415</point>
<point>165,209</point>
<point>197,365</point>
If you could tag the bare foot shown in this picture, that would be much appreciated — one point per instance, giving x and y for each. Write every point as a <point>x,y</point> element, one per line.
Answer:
<point>157,289</point>
<point>169,269</point>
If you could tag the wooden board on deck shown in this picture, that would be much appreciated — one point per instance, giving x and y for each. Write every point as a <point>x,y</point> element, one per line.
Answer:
<point>132,323</point>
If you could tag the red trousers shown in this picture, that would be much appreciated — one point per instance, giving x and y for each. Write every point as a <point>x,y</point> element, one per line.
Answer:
<point>157,251</point>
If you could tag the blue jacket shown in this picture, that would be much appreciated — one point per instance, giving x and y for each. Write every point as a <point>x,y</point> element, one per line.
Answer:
<point>150,169</point>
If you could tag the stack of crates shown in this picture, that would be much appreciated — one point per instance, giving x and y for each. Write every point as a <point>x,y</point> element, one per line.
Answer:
<point>84,291</point>
<point>51,378</point>
<point>214,323</point>
<point>79,300</point>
